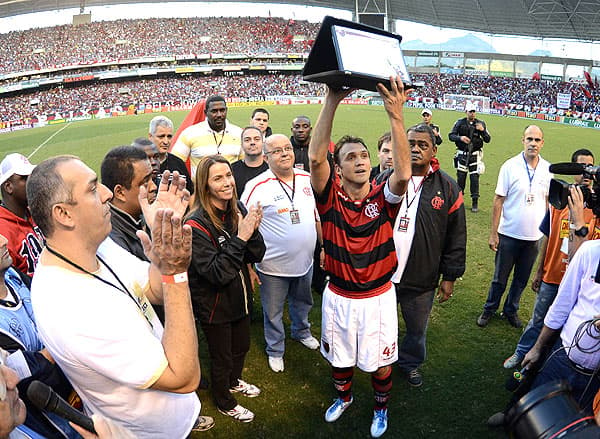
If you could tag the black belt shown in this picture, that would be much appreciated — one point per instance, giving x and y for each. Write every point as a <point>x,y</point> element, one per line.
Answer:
<point>581,369</point>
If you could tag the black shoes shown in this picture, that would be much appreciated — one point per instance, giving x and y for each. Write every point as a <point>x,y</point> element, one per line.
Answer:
<point>414,378</point>
<point>474,206</point>
<point>484,318</point>
<point>514,320</point>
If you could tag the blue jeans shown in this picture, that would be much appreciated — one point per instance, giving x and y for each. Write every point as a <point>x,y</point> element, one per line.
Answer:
<point>415,308</point>
<point>558,367</point>
<point>543,300</point>
<point>273,293</point>
<point>512,253</point>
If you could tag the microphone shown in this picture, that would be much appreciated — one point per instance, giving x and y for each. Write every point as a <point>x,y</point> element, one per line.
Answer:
<point>518,378</point>
<point>567,168</point>
<point>44,398</point>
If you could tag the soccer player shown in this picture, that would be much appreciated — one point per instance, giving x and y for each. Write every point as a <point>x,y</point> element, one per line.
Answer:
<point>359,318</point>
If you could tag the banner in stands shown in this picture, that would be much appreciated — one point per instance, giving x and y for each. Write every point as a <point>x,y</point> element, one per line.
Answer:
<point>458,102</point>
<point>563,100</point>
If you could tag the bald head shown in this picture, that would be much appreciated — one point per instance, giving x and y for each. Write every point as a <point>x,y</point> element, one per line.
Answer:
<point>275,139</point>
<point>279,155</point>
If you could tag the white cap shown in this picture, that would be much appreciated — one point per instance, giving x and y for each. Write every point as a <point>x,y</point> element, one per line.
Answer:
<point>14,163</point>
<point>470,107</point>
<point>426,111</point>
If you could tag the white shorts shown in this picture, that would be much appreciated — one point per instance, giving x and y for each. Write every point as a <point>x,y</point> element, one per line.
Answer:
<point>359,332</point>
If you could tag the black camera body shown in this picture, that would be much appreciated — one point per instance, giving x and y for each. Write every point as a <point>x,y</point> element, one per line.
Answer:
<point>559,189</point>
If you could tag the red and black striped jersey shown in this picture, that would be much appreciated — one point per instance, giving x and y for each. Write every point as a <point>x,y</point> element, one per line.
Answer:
<point>360,257</point>
<point>25,240</point>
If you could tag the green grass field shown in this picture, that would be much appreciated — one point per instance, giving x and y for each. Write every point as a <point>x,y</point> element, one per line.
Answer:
<point>463,375</point>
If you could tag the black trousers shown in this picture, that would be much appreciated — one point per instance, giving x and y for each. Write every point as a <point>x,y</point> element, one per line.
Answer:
<point>461,179</point>
<point>228,344</point>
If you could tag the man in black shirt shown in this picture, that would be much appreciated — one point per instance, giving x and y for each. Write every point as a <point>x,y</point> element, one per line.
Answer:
<point>160,133</point>
<point>253,162</point>
<point>301,129</point>
<point>260,120</point>
<point>469,134</point>
<point>427,114</point>
<point>384,152</point>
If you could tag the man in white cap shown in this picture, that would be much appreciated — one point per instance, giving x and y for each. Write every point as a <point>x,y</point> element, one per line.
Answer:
<point>24,237</point>
<point>426,114</point>
<point>469,134</point>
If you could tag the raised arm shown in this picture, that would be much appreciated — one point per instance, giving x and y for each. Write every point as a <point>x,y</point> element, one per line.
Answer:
<point>320,138</point>
<point>393,101</point>
<point>170,252</point>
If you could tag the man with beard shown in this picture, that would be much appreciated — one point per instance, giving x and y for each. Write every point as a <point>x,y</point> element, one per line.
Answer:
<point>359,318</point>
<point>253,162</point>
<point>215,135</point>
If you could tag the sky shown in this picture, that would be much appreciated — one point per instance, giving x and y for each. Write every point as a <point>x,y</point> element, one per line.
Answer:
<point>410,31</point>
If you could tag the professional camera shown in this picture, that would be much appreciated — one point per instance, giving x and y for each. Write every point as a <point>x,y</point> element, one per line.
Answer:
<point>559,189</point>
<point>549,411</point>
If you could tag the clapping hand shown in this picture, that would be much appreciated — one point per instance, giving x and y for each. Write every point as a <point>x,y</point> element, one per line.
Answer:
<point>248,224</point>
<point>171,195</point>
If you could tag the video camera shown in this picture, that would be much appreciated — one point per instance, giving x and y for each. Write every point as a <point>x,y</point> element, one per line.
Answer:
<point>559,189</point>
<point>550,411</point>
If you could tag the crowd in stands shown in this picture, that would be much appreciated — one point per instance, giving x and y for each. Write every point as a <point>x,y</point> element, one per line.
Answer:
<point>501,91</point>
<point>125,39</point>
<point>523,91</point>
<point>105,94</point>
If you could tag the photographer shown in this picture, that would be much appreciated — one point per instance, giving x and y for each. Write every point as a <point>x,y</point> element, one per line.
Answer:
<point>575,357</point>
<point>568,336</point>
<point>554,256</point>
<point>469,134</point>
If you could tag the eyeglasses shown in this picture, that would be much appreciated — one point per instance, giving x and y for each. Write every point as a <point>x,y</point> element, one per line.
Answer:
<point>279,151</point>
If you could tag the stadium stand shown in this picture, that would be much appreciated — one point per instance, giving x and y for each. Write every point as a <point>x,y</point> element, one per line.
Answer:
<point>107,41</point>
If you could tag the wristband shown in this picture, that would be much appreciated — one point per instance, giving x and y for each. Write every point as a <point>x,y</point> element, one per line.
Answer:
<point>175,278</point>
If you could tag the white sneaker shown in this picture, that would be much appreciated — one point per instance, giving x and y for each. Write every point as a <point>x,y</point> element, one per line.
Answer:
<point>310,342</point>
<point>246,389</point>
<point>380,423</point>
<point>276,364</point>
<point>336,409</point>
<point>239,413</point>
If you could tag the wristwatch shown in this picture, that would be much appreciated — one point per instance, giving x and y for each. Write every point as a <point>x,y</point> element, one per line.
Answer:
<point>582,232</point>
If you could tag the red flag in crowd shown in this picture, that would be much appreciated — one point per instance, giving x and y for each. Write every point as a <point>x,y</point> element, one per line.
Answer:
<point>196,115</point>
<point>588,79</point>
<point>586,92</point>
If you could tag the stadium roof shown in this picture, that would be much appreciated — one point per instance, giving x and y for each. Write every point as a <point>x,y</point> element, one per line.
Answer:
<point>564,19</point>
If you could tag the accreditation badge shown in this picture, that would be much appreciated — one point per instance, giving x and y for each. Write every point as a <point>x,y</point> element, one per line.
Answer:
<point>403,223</point>
<point>529,199</point>
<point>295,216</point>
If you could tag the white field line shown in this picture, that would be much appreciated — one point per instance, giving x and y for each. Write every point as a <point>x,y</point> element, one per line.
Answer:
<point>47,140</point>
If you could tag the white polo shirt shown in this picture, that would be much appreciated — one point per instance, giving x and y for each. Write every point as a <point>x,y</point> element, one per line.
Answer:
<point>290,243</point>
<point>526,191</point>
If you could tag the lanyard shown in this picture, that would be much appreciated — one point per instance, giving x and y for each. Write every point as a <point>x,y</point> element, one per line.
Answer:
<point>530,176</point>
<point>293,188</point>
<point>220,141</point>
<point>417,190</point>
<point>123,289</point>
